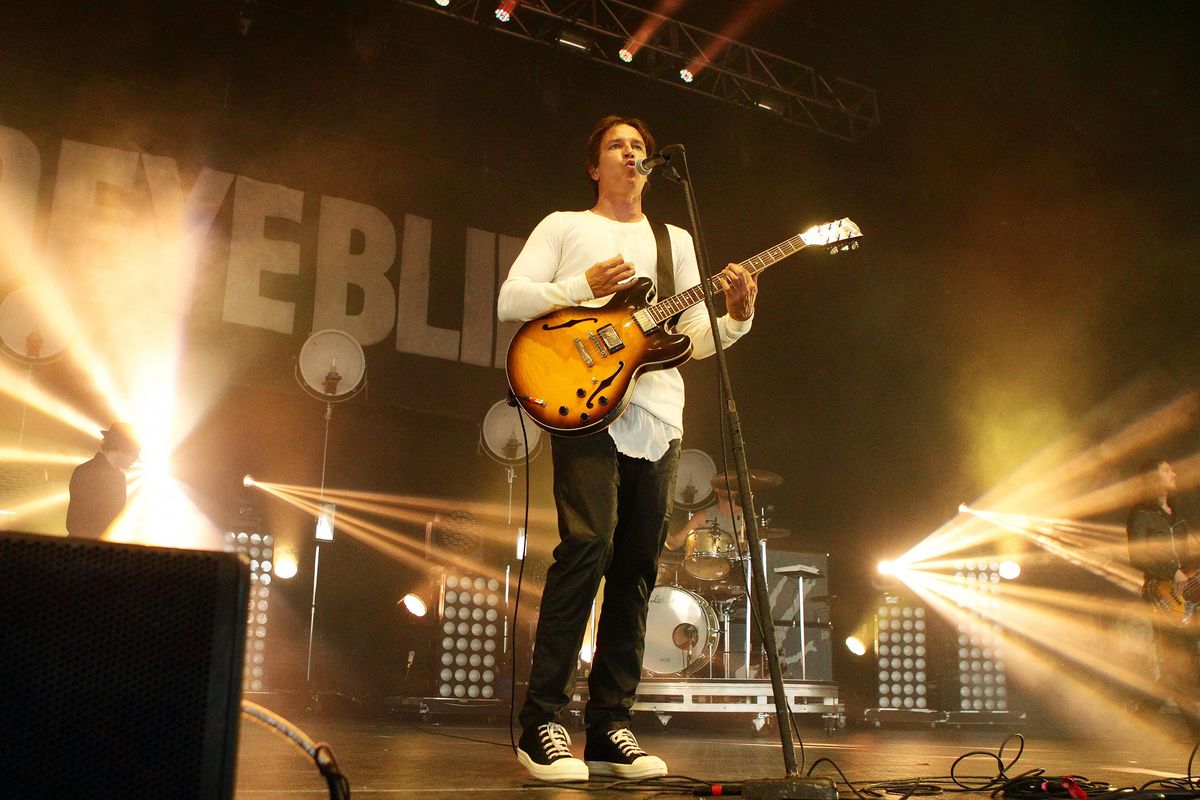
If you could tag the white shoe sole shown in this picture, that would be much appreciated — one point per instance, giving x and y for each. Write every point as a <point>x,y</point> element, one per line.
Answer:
<point>560,771</point>
<point>644,767</point>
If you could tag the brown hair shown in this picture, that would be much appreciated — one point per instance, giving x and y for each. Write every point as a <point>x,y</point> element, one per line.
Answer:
<point>596,139</point>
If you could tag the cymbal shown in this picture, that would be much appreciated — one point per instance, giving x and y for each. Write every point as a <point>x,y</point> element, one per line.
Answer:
<point>759,479</point>
<point>773,533</point>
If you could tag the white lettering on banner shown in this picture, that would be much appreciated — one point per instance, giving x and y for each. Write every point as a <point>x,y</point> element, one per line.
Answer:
<point>479,298</point>
<point>339,268</point>
<point>20,172</point>
<point>414,334</point>
<point>251,253</point>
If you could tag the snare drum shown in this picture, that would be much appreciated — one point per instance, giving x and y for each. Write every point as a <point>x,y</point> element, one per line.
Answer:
<point>708,552</point>
<point>681,633</point>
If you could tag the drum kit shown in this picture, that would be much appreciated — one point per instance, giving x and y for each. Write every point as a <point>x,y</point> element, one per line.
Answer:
<point>704,583</point>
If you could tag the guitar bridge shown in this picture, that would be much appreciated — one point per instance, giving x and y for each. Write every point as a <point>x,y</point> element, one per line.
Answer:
<point>612,339</point>
<point>598,344</point>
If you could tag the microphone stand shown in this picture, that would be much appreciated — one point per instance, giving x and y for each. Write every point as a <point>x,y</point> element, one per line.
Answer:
<point>676,170</point>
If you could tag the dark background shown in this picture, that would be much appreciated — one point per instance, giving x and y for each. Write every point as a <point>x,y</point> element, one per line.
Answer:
<point>1028,206</point>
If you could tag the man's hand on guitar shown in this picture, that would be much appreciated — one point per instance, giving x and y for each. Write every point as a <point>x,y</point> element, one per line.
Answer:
<point>607,277</point>
<point>741,288</point>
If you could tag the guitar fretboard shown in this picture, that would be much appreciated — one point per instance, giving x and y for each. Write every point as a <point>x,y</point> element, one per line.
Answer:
<point>678,303</point>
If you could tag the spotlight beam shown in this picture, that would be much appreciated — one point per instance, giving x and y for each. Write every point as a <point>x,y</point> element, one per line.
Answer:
<point>395,545</point>
<point>37,505</point>
<point>12,455</point>
<point>1036,635</point>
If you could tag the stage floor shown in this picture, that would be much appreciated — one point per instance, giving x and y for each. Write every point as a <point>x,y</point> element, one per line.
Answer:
<point>402,757</point>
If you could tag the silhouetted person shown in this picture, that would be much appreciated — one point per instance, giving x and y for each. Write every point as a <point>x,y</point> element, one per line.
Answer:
<point>98,485</point>
<point>1158,546</point>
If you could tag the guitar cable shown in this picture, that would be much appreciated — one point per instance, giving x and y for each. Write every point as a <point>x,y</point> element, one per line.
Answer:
<point>512,658</point>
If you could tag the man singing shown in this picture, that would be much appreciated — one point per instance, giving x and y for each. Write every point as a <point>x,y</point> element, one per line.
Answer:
<point>612,489</point>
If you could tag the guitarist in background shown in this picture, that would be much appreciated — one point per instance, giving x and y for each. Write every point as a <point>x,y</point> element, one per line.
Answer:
<point>613,488</point>
<point>1158,546</point>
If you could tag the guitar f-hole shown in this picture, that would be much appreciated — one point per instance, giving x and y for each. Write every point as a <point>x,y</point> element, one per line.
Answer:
<point>604,384</point>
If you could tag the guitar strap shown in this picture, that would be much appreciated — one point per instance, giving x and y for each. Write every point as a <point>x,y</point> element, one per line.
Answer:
<point>665,284</point>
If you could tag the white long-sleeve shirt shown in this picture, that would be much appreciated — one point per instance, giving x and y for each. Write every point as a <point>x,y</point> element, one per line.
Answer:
<point>549,273</point>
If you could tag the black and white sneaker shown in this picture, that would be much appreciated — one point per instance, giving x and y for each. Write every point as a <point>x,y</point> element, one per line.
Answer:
<point>545,750</point>
<point>617,753</point>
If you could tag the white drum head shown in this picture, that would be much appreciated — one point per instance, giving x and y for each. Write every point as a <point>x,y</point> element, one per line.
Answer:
<point>693,480</point>
<point>501,436</point>
<point>681,632</point>
<point>331,353</point>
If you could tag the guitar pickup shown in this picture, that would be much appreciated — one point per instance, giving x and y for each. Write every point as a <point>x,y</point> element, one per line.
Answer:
<point>583,353</point>
<point>612,339</point>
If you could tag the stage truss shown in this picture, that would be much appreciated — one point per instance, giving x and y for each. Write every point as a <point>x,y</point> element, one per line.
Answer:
<point>740,75</point>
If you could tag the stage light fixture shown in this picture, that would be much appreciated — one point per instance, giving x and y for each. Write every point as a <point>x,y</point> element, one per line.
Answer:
<point>286,566</point>
<point>686,75</point>
<point>574,40</point>
<point>1009,570</point>
<point>901,652</point>
<point>248,481</point>
<point>473,636</point>
<point>324,531</point>
<point>855,645</point>
<point>886,568</point>
<point>260,549</point>
<point>414,604</point>
<point>625,54</point>
<point>505,10</point>
<point>981,666</point>
<point>442,3</point>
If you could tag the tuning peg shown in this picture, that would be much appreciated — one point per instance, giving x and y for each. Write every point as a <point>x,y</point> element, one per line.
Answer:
<point>854,245</point>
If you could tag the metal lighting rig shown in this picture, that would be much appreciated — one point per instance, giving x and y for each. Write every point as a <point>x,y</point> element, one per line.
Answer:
<point>684,56</point>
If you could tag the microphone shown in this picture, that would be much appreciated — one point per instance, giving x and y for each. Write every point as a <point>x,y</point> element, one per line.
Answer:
<point>646,165</point>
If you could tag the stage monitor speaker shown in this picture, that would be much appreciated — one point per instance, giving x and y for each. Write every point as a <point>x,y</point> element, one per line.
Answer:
<point>120,668</point>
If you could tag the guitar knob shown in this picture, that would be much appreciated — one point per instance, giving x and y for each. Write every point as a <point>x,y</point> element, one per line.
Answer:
<point>580,393</point>
<point>563,411</point>
<point>584,417</point>
<point>603,400</point>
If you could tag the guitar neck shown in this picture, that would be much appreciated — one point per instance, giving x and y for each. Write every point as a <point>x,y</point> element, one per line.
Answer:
<point>678,303</point>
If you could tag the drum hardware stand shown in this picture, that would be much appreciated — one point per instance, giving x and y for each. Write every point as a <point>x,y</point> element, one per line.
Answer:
<point>676,169</point>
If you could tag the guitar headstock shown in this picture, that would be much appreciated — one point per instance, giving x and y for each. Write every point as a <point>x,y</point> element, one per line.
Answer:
<point>838,236</point>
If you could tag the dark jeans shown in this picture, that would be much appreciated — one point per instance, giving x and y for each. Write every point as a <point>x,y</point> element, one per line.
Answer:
<point>612,521</point>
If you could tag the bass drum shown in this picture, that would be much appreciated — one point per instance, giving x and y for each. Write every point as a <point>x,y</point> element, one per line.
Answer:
<point>681,633</point>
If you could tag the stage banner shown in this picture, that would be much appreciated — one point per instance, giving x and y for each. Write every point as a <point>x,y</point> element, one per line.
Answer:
<point>218,243</point>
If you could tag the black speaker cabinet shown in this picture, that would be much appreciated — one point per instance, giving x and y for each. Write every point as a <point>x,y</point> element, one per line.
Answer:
<point>120,669</point>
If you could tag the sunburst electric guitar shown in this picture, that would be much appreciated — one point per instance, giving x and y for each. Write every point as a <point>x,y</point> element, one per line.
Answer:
<point>573,370</point>
<point>1179,608</point>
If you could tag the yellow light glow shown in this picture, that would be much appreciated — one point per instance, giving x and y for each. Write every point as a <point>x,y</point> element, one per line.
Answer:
<point>856,645</point>
<point>286,565</point>
<point>1009,570</point>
